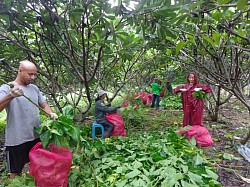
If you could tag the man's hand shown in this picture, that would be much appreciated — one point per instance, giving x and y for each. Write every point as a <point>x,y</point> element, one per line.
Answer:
<point>54,116</point>
<point>16,92</point>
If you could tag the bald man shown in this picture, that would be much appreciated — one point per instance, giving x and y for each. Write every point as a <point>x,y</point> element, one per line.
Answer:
<point>22,116</point>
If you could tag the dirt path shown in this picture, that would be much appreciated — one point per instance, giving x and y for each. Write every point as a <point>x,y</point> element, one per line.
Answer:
<point>226,133</point>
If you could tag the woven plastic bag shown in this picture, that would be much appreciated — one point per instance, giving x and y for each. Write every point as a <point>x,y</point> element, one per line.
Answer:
<point>118,122</point>
<point>50,168</point>
<point>244,150</point>
<point>144,97</point>
<point>201,135</point>
<point>150,98</point>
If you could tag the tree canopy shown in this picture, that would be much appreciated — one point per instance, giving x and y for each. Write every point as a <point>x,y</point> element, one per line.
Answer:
<point>82,46</point>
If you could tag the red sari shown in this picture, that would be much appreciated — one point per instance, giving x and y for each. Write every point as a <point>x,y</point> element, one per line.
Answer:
<point>192,107</point>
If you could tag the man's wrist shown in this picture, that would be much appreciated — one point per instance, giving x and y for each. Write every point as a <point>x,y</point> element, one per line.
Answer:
<point>11,96</point>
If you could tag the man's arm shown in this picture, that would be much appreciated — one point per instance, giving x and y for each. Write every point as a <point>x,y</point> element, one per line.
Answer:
<point>5,101</point>
<point>7,96</point>
<point>46,107</point>
<point>106,109</point>
<point>48,110</point>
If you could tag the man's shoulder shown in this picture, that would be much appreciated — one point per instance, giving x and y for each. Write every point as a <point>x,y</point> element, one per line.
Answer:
<point>4,87</point>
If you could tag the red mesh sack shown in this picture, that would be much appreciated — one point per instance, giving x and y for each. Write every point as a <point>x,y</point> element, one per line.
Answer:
<point>50,168</point>
<point>201,135</point>
<point>162,93</point>
<point>118,122</point>
<point>134,101</point>
<point>136,95</point>
<point>144,97</point>
<point>150,98</point>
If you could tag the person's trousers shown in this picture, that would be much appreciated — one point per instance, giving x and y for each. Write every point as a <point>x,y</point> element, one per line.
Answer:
<point>109,126</point>
<point>157,99</point>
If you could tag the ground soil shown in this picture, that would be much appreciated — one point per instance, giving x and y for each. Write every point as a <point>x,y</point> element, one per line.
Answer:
<point>232,126</point>
<point>227,133</point>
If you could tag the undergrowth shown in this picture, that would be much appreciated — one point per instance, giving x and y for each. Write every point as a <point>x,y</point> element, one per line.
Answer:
<point>152,154</point>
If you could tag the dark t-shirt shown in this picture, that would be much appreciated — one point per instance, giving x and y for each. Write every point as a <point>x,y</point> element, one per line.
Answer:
<point>101,110</point>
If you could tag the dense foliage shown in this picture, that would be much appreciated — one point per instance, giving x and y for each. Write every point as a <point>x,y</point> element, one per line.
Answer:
<point>82,47</point>
<point>153,158</point>
<point>171,102</point>
<point>150,159</point>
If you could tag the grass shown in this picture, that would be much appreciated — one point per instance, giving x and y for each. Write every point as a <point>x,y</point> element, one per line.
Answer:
<point>147,119</point>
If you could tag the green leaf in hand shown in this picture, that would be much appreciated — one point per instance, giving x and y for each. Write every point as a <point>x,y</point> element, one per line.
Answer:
<point>199,94</point>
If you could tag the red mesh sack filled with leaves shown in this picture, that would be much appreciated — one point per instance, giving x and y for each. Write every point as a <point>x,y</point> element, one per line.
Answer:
<point>201,135</point>
<point>144,97</point>
<point>50,168</point>
<point>150,98</point>
<point>118,122</point>
<point>136,95</point>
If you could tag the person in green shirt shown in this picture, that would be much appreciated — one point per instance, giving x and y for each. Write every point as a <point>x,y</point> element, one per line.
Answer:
<point>156,89</point>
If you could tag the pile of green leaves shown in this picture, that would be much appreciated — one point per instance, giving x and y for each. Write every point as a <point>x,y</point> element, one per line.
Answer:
<point>150,159</point>
<point>199,94</point>
<point>172,102</point>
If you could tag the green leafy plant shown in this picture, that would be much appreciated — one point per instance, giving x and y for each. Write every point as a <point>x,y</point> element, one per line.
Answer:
<point>228,156</point>
<point>199,94</point>
<point>61,132</point>
<point>25,180</point>
<point>172,102</point>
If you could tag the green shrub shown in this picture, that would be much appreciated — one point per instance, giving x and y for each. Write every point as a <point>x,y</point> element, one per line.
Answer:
<point>2,121</point>
<point>171,102</point>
